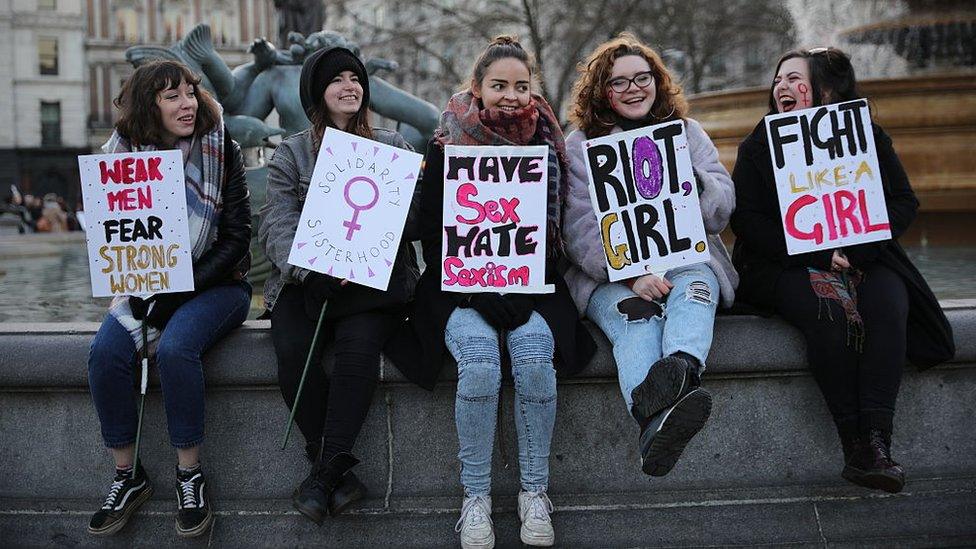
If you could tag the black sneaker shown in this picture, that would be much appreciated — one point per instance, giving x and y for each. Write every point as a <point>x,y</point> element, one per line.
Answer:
<point>667,434</point>
<point>124,497</point>
<point>666,382</point>
<point>195,515</point>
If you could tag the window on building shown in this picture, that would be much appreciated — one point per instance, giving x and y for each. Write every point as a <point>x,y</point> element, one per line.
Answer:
<point>175,15</point>
<point>47,54</point>
<point>223,25</point>
<point>49,5</point>
<point>50,123</point>
<point>126,24</point>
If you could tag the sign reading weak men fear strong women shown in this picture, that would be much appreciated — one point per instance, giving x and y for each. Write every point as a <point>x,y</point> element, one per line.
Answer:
<point>645,197</point>
<point>827,177</point>
<point>495,219</point>
<point>355,208</point>
<point>136,223</point>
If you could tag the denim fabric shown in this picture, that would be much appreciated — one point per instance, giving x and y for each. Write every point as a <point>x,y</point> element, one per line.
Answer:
<point>113,370</point>
<point>475,346</point>
<point>682,322</point>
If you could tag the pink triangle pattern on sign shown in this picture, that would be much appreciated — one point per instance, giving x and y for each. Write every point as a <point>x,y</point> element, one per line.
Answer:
<point>330,271</point>
<point>329,150</point>
<point>312,261</point>
<point>395,156</point>
<point>301,245</point>
<point>352,274</point>
<point>410,176</point>
<point>354,145</point>
<point>370,272</point>
<point>388,262</point>
<point>375,150</point>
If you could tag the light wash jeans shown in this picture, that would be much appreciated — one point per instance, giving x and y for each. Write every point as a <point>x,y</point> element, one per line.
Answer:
<point>682,322</point>
<point>474,344</point>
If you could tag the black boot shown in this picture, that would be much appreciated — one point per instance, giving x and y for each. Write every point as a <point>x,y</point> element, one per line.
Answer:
<point>349,490</point>
<point>871,465</point>
<point>313,497</point>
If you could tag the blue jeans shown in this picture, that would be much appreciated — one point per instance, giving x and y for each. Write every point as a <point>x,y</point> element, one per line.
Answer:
<point>683,321</point>
<point>194,328</point>
<point>475,346</point>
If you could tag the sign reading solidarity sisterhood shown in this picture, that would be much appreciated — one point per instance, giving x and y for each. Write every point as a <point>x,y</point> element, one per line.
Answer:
<point>827,177</point>
<point>495,219</point>
<point>357,204</point>
<point>135,219</point>
<point>646,202</point>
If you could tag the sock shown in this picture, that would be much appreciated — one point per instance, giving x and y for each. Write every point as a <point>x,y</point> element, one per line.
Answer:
<point>127,470</point>
<point>185,472</point>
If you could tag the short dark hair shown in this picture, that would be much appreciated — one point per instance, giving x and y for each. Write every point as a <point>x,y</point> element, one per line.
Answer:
<point>139,116</point>
<point>831,75</point>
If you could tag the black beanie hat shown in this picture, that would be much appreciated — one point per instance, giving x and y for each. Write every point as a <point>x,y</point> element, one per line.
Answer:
<point>321,67</point>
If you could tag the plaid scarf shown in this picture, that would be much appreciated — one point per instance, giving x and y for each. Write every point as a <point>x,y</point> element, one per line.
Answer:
<point>466,123</point>
<point>203,173</point>
<point>842,288</point>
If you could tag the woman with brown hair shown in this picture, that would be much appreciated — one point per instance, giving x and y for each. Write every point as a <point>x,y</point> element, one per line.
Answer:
<point>334,90</point>
<point>162,106</point>
<point>660,326</point>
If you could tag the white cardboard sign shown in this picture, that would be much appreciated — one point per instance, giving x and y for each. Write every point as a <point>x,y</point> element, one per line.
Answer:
<point>136,223</point>
<point>355,209</point>
<point>827,177</point>
<point>645,198</point>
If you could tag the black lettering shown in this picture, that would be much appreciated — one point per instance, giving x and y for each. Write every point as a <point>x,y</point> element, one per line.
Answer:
<point>510,166</point>
<point>677,244</point>
<point>482,244</point>
<point>779,139</point>
<point>529,169</point>
<point>457,163</point>
<point>504,239</point>
<point>603,160</point>
<point>647,218</point>
<point>488,169</point>
<point>455,242</point>
<point>524,244</point>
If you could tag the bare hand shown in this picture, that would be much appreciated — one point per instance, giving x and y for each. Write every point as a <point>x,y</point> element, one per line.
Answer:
<point>839,262</point>
<point>343,282</point>
<point>651,287</point>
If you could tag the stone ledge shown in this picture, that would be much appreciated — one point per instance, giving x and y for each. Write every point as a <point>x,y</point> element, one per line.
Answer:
<point>56,354</point>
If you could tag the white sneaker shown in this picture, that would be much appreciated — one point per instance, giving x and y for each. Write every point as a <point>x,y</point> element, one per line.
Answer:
<point>475,523</point>
<point>534,509</point>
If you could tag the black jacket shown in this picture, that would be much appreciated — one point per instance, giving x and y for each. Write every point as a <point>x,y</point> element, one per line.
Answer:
<point>229,257</point>
<point>418,348</point>
<point>760,253</point>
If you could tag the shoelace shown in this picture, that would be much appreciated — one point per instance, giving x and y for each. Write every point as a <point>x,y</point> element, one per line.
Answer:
<point>189,491</point>
<point>113,493</point>
<point>540,506</point>
<point>475,511</point>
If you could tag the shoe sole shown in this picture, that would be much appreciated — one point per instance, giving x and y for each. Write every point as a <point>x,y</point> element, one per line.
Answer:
<point>487,544</point>
<point>537,540</point>
<point>661,449</point>
<point>662,387</point>
<point>119,524</point>
<point>875,481</point>
<point>311,513</point>
<point>348,493</point>
<point>197,530</point>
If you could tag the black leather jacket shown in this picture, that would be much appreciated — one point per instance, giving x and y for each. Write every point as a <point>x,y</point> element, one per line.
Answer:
<point>229,257</point>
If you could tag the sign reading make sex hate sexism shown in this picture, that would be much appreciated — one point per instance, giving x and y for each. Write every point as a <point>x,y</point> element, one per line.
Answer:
<point>645,198</point>
<point>355,209</point>
<point>495,219</point>
<point>136,224</point>
<point>827,177</point>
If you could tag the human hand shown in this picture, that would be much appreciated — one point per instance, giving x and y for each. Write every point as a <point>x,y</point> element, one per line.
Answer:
<point>651,287</point>
<point>839,262</point>
<point>164,307</point>
<point>492,307</point>
<point>319,288</point>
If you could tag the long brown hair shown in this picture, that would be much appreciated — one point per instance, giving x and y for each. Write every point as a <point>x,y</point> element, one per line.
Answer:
<point>591,110</point>
<point>139,117</point>
<point>831,76</point>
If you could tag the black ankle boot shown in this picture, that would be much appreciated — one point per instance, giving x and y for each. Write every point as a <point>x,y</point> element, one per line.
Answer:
<point>871,465</point>
<point>313,497</point>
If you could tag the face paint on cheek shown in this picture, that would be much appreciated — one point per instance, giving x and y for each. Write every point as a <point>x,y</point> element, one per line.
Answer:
<point>802,88</point>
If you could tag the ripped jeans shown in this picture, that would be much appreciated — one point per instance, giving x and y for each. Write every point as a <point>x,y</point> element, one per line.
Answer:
<point>683,322</point>
<point>474,344</point>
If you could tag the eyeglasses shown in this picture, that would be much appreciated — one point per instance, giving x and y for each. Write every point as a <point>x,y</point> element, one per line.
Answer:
<point>641,80</point>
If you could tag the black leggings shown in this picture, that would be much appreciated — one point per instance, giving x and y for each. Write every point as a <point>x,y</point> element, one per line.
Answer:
<point>333,409</point>
<point>860,387</point>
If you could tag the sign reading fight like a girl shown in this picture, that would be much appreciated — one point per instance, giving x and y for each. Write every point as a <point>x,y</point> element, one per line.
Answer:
<point>827,177</point>
<point>495,219</point>
<point>136,223</point>
<point>645,198</point>
<point>355,209</point>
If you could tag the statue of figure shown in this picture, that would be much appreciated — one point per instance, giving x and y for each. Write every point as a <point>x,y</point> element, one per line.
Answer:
<point>302,16</point>
<point>249,92</point>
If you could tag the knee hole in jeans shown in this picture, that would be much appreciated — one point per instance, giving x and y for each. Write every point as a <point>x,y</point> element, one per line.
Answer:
<point>699,292</point>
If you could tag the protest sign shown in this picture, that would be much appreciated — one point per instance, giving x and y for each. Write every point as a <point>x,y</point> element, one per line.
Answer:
<point>136,223</point>
<point>495,219</point>
<point>827,177</point>
<point>645,198</point>
<point>355,209</point>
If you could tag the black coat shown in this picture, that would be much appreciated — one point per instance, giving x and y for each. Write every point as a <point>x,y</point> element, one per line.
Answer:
<point>760,253</point>
<point>229,257</point>
<point>418,349</point>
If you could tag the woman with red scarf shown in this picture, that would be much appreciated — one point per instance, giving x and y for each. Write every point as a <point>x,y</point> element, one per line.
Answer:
<point>541,333</point>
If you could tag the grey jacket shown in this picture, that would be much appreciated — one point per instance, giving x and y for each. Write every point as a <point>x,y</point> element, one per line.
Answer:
<point>582,233</point>
<point>289,174</point>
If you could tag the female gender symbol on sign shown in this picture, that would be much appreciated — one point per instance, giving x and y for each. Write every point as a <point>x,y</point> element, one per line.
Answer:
<point>356,208</point>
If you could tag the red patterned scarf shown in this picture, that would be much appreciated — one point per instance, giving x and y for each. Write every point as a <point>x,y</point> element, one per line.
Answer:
<point>842,288</point>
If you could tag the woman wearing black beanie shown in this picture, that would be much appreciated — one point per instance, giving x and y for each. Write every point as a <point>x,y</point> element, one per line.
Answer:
<point>334,89</point>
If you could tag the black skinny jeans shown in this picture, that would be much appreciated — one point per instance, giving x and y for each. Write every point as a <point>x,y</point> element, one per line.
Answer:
<point>332,407</point>
<point>860,387</point>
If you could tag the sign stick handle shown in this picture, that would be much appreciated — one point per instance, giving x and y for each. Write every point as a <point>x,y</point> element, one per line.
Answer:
<point>142,397</point>
<point>301,384</point>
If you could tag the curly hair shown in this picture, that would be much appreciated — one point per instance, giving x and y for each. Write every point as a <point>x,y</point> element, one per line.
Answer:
<point>590,109</point>
<point>139,116</point>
